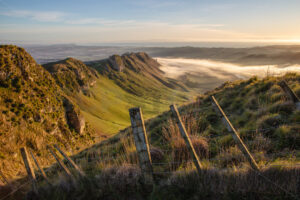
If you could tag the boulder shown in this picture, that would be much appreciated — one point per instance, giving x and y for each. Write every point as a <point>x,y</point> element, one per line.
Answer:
<point>74,118</point>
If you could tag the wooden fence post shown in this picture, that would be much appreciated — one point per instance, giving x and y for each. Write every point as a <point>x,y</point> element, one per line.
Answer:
<point>290,93</point>
<point>70,160</point>
<point>60,163</point>
<point>235,135</point>
<point>141,143</point>
<point>39,168</point>
<point>29,168</point>
<point>186,137</point>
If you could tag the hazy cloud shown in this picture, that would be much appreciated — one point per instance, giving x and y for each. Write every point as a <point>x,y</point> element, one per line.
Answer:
<point>44,16</point>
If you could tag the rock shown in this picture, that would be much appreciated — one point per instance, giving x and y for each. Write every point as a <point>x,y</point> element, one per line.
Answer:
<point>74,118</point>
<point>117,62</point>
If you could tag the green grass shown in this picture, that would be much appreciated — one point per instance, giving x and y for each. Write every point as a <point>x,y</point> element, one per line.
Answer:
<point>250,107</point>
<point>112,165</point>
<point>107,108</point>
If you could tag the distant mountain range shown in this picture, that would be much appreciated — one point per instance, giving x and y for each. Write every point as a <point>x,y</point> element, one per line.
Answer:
<point>261,55</point>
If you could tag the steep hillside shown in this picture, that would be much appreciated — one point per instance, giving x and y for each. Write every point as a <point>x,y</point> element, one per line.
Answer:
<point>266,120</point>
<point>68,103</point>
<point>34,111</point>
<point>137,73</point>
<point>123,82</point>
<point>72,75</point>
<point>258,109</point>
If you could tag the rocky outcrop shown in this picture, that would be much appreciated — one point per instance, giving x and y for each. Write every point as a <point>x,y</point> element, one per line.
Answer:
<point>74,118</point>
<point>116,63</point>
<point>72,75</point>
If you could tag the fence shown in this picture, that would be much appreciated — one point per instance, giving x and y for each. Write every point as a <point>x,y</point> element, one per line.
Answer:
<point>143,149</point>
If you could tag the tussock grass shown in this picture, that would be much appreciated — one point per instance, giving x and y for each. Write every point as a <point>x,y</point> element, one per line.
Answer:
<point>259,110</point>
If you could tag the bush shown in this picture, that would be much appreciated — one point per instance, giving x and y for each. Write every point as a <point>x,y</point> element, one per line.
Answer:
<point>282,108</point>
<point>287,137</point>
<point>269,122</point>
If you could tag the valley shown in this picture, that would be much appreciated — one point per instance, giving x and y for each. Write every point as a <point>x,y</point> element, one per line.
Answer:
<point>69,103</point>
<point>83,108</point>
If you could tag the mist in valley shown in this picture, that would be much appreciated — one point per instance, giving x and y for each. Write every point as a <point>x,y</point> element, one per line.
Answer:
<point>204,74</point>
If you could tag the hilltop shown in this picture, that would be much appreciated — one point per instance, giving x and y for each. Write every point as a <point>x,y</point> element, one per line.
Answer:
<point>72,75</point>
<point>137,73</point>
<point>34,110</point>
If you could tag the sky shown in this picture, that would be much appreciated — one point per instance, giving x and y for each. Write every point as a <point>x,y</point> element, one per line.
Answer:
<point>140,21</point>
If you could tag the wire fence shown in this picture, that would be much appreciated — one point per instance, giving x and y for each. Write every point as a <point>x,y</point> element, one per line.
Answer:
<point>114,159</point>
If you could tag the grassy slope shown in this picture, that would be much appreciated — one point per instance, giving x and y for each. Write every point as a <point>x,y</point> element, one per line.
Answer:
<point>258,109</point>
<point>254,104</point>
<point>107,108</point>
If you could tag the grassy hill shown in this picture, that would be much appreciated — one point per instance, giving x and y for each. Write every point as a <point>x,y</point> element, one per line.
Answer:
<point>72,104</point>
<point>34,111</point>
<point>107,110</point>
<point>128,81</point>
<point>68,103</point>
<point>266,120</point>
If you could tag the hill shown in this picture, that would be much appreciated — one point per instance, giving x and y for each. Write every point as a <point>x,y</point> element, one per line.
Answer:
<point>33,110</point>
<point>72,75</point>
<point>127,81</point>
<point>137,73</point>
<point>64,102</point>
<point>265,119</point>
<point>281,55</point>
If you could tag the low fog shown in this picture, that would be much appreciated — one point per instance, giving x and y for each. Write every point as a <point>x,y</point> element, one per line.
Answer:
<point>176,67</point>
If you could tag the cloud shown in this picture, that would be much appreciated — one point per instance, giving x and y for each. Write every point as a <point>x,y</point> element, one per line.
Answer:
<point>69,28</point>
<point>97,21</point>
<point>44,16</point>
<point>155,3</point>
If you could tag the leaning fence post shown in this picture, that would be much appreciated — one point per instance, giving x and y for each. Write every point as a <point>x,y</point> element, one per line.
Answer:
<point>60,163</point>
<point>70,160</point>
<point>39,168</point>
<point>29,168</point>
<point>235,135</point>
<point>186,137</point>
<point>141,143</point>
<point>290,93</point>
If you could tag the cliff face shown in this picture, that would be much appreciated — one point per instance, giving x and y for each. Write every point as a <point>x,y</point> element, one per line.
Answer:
<point>116,63</point>
<point>72,75</point>
<point>34,111</point>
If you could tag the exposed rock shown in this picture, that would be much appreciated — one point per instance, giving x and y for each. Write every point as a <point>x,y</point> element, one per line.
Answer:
<point>74,118</point>
<point>72,75</point>
<point>117,63</point>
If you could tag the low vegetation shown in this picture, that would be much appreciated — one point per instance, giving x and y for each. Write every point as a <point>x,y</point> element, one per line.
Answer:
<point>263,115</point>
<point>266,120</point>
<point>69,104</point>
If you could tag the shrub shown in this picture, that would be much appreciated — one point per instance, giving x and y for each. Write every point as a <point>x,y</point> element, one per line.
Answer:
<point>269,121</point>
<point>282,108</point>
<point>287,137</point>
<point>230,157</point>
